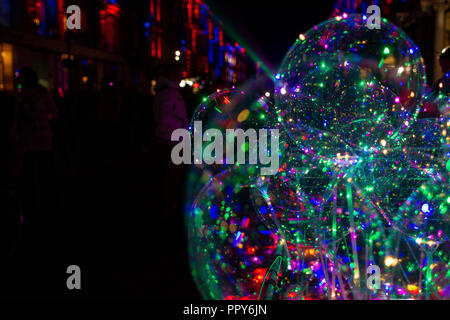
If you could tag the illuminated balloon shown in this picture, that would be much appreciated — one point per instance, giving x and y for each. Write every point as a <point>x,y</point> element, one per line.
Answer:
<point>387,53</point>
<point>348,104</point>
<point>229,248</point>
<point>363,183</point>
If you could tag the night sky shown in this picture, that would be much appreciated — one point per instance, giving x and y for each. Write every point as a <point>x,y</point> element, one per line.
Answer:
<point>271,27</point>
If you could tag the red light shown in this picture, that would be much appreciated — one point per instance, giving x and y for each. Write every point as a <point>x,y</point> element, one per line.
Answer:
<point>221,38</point>
<point>153,47</point>
<point>189,11</point>
<point>159,46</point>
<point>194,40</point>
<point>210,30</point>
<point>158,10</point>
<point>61,16</point>
<point>113,9</point>
<point>152,8</point>
<point>196,11</point>
<point>259,273</point>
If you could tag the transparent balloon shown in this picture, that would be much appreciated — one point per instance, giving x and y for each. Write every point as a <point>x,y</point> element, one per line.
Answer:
<point>388,53</point>
<point>228,109</point>
<point>362,184</point>
<point>229,247</point>
<point>348,104</point>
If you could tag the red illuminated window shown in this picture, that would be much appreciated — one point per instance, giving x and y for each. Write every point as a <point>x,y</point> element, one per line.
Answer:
<point>158,10</point>
<point>109,24</point>
<point>194,40</point>
<point>152,8</point>
<point>221,38</point>
<point>210,30</point>
<point>159,46</point>
<point>189,11</point>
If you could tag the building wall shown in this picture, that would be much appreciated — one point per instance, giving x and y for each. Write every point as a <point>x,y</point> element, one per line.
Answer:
<point>124,41</point>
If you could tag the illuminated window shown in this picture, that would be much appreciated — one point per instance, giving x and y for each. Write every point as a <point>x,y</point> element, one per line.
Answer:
<point>36,11</point>
<point>6,67</point>
<point>189,11</point>
<point>194,40</point>
<point>55,17</point>
<point>109,24</point>
<point>47,16</point>
<point>5,12</point>
<point>156,32</point>
<point>158,10</point>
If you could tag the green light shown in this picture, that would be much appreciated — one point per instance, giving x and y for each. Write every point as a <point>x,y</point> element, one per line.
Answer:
<point>386,50</point>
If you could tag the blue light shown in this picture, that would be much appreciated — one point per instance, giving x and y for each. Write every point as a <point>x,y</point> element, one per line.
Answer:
<point>217,71</point>
<point>263,210</point>
<point>214,211</point>
<point>211,53</point>
<point>426,208</point>
<point>413,226</point>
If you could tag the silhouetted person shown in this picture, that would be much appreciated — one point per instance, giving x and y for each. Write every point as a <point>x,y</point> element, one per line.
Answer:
<point>36,108</point>
<point>170,114</point>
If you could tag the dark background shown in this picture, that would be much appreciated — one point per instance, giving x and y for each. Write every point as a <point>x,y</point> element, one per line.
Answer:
<point>271,27</point>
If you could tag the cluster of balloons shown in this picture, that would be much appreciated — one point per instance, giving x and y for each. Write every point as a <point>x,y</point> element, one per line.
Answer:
<point>363,180</point>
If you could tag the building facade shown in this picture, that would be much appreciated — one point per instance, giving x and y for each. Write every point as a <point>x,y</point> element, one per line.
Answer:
<point>119,43</point>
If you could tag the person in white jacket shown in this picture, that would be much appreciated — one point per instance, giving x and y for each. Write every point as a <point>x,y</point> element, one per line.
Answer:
<point>169,113</point>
